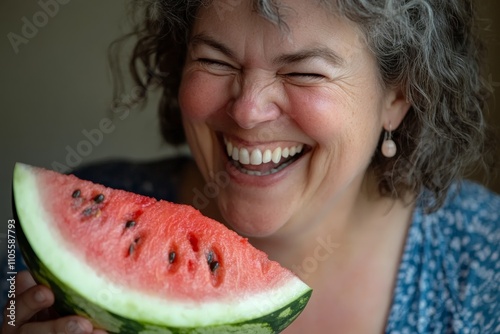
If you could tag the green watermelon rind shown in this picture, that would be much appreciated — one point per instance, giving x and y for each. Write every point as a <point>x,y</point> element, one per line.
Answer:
<point>69,301</point>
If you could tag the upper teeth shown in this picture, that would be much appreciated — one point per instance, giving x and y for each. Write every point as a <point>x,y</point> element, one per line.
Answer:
<point>257,156</point>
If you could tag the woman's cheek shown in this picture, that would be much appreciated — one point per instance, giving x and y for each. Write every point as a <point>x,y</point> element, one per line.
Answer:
<point>316,111</point>
<point>200,95</point>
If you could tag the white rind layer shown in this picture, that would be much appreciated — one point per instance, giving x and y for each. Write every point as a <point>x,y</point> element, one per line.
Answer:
<point>57,256</point>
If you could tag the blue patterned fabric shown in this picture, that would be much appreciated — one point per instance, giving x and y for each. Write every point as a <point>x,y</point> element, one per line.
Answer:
<point>449,276</point>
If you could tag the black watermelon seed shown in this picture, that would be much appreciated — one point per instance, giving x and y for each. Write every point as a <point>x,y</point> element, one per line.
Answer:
<point>92,211</point>
<point>99,198</point>
<point>214,265</point>
<point>171,257</point>
<point>76,193</point>
<point>210,257</point>
<point>132,246</point>
<point>130,224</point>
<point>131,249</point>
<point>88,211</point>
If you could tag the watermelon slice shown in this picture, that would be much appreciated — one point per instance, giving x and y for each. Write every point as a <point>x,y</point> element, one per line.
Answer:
<point>133,264</point>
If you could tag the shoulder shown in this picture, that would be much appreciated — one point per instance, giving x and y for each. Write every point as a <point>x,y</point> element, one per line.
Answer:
<point>463,240</point>
<point>468,224</point>
<point>159,178</point>
<point>470,215</point>
<point>474,201</point>
<point>469,207</point>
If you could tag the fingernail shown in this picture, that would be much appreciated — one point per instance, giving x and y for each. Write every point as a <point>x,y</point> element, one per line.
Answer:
<point>99,331</point>
<point>78,327</point>
<point>39,296</point>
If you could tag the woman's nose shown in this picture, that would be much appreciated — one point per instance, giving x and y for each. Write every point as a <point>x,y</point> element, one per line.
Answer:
<point>256,102</point>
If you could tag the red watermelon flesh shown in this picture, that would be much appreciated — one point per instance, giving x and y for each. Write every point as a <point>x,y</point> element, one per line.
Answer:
<point>135,265</point>
<point>165,249</point>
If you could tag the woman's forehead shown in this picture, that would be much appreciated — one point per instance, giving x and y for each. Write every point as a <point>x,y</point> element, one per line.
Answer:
<point>308,26</point>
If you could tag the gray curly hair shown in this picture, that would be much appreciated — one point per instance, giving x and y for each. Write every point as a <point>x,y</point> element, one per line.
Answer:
<point>428,48</point>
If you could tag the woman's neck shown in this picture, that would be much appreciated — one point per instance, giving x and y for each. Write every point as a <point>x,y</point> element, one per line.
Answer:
<point>352,229</point>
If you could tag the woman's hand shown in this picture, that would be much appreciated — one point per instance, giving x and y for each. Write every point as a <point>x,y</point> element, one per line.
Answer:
<point>32,314</point>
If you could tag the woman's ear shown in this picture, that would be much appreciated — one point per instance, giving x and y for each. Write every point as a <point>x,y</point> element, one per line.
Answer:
<point>396,107</point>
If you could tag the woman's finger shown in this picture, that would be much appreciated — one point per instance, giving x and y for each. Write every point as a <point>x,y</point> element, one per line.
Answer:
<point>32,301</point>
<point>24,281</point>
<point>66,325</point>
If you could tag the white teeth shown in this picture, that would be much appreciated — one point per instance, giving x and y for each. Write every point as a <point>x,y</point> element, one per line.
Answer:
<point>285,153</point>
<point>244,156</point>
<point>267,157</point>
<point>276,155</point>
<point>258,156</point>
<point>236,154</point>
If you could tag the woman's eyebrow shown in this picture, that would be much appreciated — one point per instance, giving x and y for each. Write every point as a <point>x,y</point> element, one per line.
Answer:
<point>306,54</point>
<point>290,58</point>
<point>207,40</point>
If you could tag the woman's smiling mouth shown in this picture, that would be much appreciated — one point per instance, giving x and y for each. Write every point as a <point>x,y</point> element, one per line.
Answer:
<point>263,160</point>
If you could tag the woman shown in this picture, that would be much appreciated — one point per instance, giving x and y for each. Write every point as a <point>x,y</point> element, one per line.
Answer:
<point>341,124</point>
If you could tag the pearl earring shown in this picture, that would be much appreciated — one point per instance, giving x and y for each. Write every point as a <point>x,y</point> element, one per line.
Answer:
<point>389,148</point>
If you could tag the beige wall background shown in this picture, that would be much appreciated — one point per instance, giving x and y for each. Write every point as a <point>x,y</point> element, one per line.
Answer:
<point>55,84</point>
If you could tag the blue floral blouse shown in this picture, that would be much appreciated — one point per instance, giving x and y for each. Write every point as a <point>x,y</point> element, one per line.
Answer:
<point>449,276</point>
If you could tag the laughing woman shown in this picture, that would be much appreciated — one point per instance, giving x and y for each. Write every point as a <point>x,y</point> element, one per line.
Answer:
<point>348,125</point>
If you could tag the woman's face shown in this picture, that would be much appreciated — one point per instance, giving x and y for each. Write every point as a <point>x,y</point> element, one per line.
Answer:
<point>284,122</point>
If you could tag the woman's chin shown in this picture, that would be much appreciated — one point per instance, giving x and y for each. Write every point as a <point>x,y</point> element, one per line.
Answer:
<point>254,228</point>
<point>254,212</point>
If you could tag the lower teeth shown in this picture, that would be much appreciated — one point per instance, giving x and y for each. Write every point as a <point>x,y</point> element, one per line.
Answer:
<point>257,173</point>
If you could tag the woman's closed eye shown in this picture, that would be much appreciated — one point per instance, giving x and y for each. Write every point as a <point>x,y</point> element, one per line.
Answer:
<point>304,77</point>
<point>213,63</point>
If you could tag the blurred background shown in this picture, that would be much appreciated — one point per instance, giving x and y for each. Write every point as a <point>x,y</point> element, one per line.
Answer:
<point>55,88</point>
